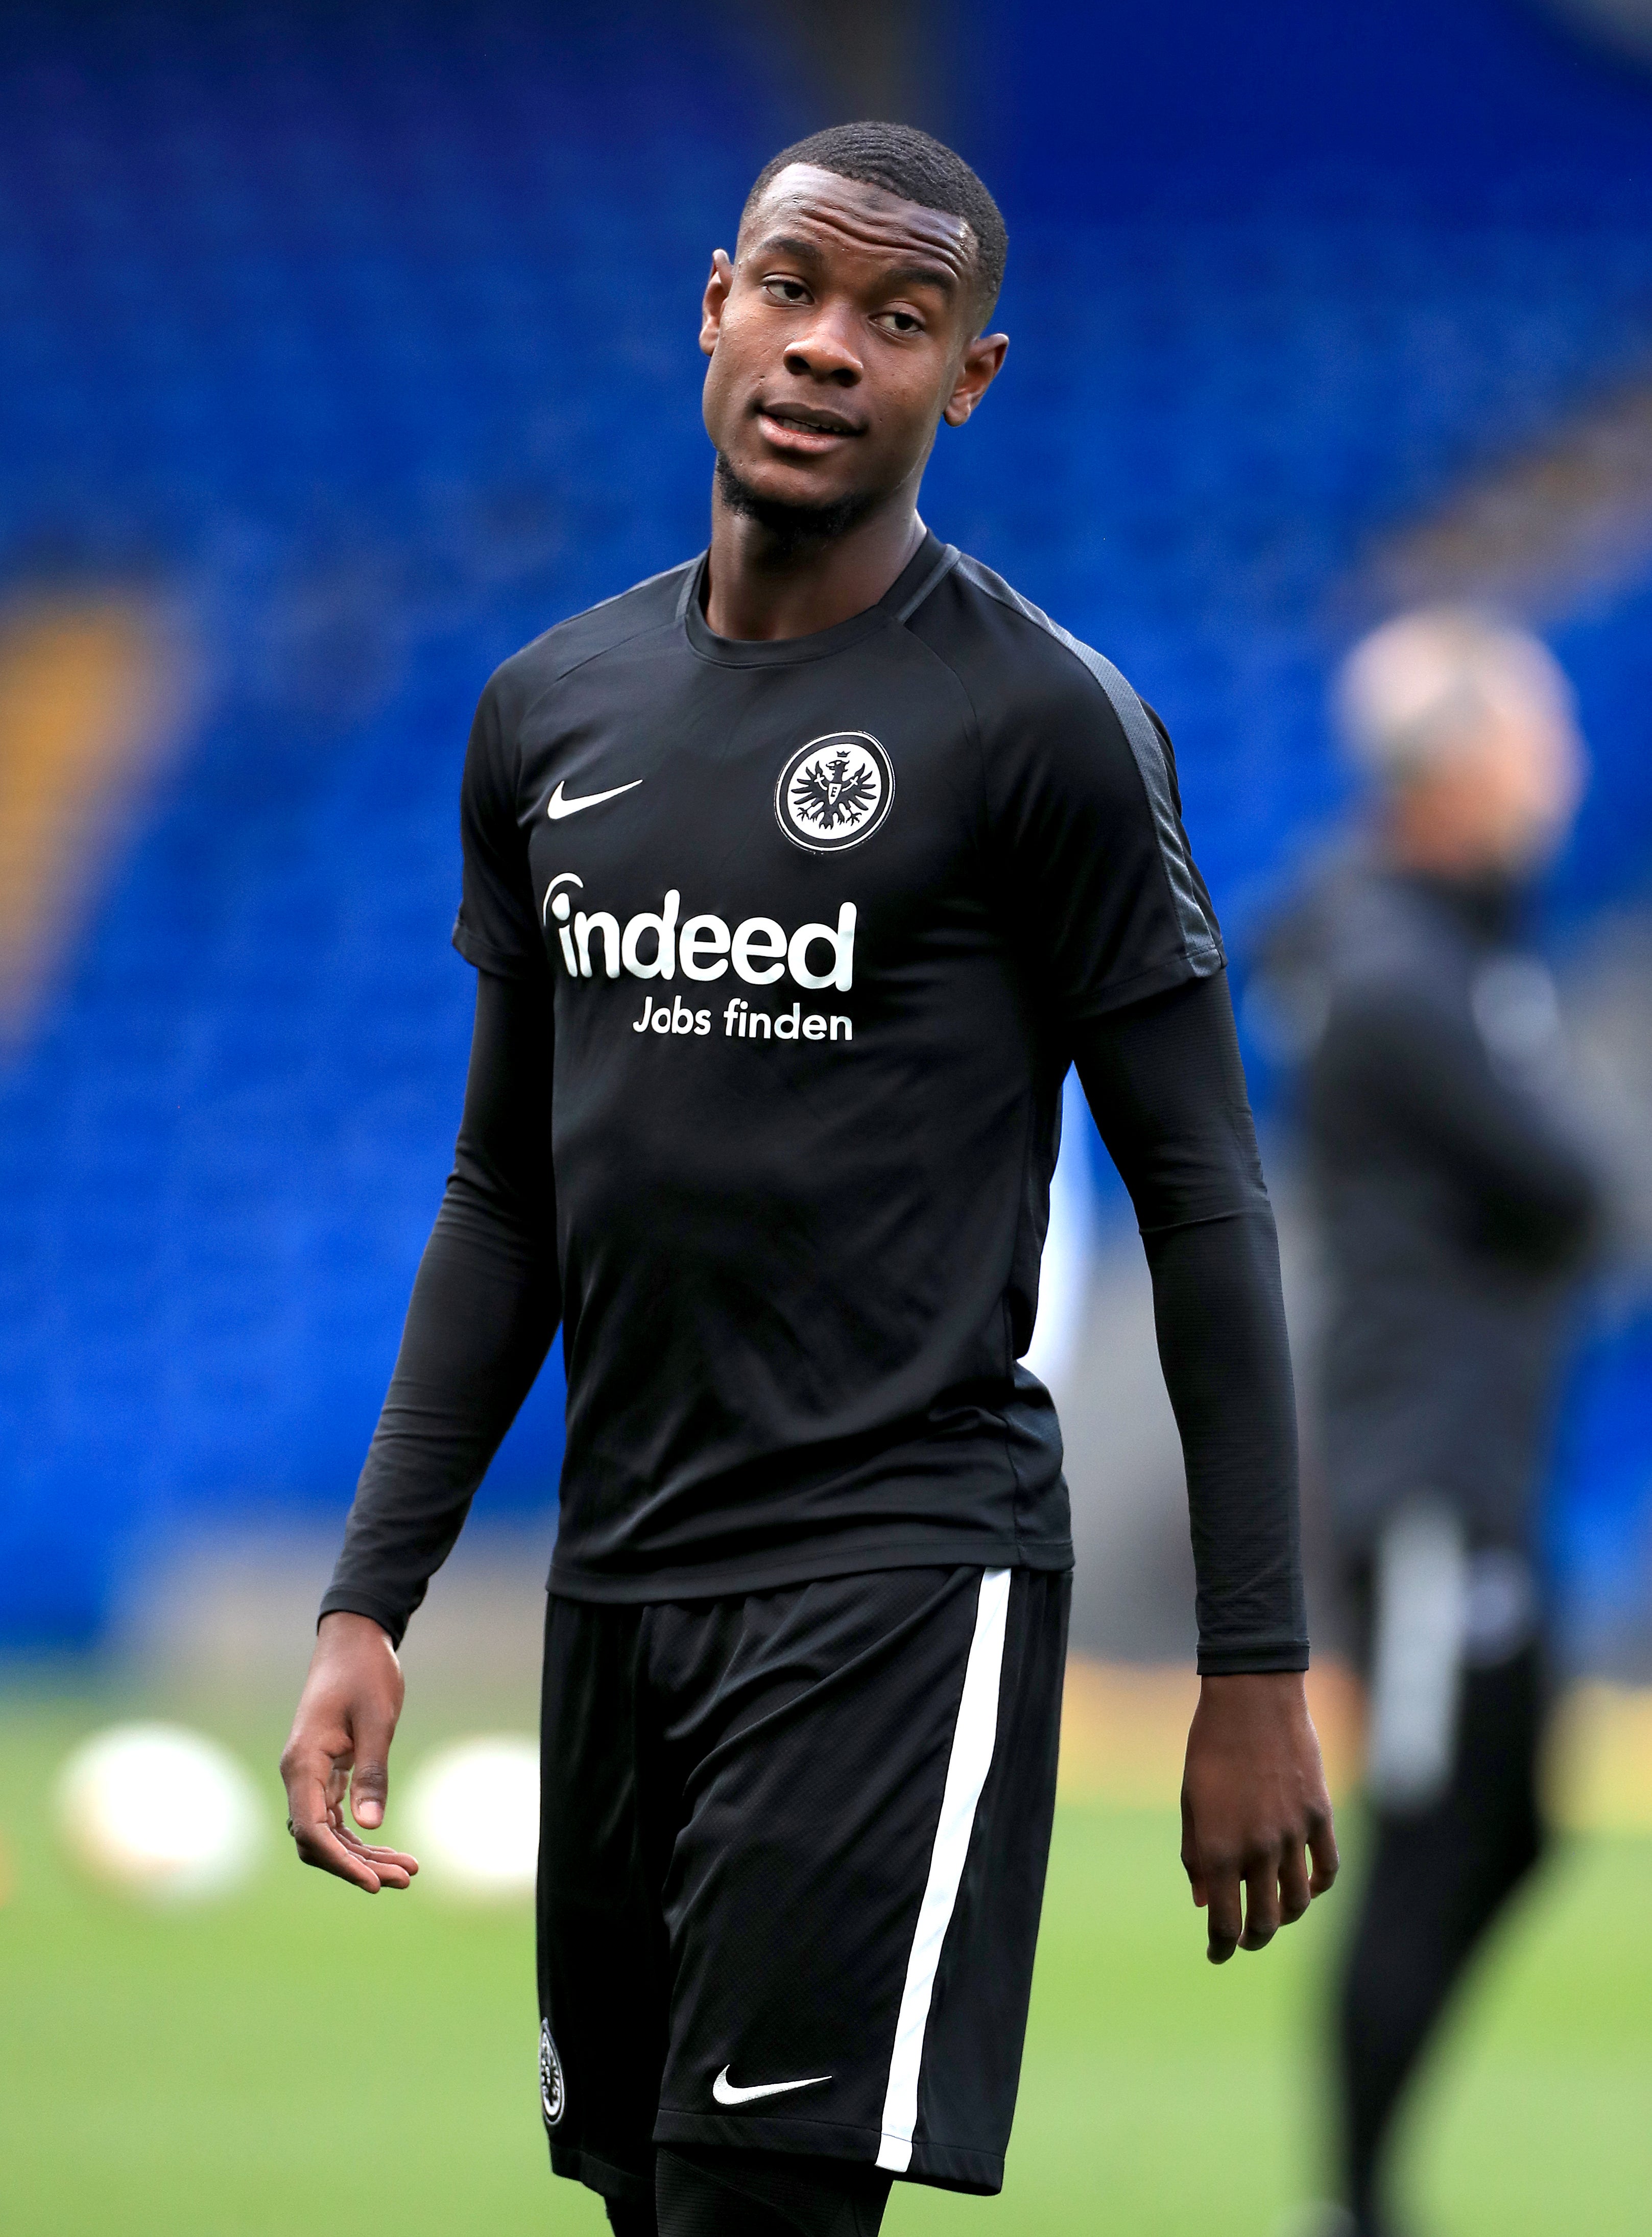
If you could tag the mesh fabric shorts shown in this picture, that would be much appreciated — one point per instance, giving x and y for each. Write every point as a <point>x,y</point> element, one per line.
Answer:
<point>792,1856</point>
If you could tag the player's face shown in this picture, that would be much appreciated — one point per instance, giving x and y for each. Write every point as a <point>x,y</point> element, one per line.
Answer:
<point>840,335</point>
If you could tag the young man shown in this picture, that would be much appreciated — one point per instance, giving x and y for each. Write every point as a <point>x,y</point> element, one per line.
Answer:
<point>796,878</point>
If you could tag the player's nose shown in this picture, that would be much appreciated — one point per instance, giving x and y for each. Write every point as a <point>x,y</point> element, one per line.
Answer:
<point>826,349</point>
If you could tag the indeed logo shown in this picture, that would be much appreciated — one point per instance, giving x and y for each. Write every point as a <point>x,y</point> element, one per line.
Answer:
<point>653,945</point>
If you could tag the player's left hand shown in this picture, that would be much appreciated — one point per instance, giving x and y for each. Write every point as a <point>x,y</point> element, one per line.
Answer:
<point>1254,1800</point>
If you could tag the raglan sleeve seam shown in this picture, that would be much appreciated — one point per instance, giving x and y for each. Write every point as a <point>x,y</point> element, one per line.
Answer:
<point>1204,958</point>
<point>1204,953</point>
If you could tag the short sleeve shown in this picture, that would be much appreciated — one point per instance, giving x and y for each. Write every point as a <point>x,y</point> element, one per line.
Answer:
<point>497,930</point>
<point>1087,827</point>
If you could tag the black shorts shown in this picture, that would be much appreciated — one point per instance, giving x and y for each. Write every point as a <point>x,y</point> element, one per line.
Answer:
<point>792,1856</point>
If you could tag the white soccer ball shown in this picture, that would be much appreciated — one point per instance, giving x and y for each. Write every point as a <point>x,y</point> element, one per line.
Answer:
<point>473,1810</point>
<point>162,1811</point>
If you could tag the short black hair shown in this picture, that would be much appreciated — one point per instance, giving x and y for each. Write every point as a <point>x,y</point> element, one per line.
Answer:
<point>908,163</point>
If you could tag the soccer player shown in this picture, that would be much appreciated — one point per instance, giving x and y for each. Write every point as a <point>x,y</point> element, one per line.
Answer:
<point>795,879</point>
<point>1457,1204</point>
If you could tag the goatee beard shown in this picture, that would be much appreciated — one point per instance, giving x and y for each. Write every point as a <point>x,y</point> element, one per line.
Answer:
<point>794,528</point>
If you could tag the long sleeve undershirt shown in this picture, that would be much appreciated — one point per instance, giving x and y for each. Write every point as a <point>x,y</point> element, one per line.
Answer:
<point>485,1308</point>
<point>1164,1080</point>
<point>1166,1085</point>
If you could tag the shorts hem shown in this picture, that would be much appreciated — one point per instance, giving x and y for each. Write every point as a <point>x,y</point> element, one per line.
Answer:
<point>575,2164</point>
<point>943,2167</point>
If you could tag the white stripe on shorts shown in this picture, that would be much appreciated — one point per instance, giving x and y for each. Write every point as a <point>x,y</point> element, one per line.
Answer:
<point>971,1759</point>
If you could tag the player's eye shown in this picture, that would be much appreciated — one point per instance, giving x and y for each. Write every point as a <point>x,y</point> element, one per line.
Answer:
<point>901,322</point>
<point>780,290</point>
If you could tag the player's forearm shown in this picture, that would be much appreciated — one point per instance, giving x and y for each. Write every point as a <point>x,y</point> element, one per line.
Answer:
<point>485,1308</point>
<point>1165,1084</point>
<point>484,1311</point>
<point>1226,1363</point>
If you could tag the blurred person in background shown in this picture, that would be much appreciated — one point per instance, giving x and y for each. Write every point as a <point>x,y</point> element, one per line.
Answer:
<point>1456,1206</point>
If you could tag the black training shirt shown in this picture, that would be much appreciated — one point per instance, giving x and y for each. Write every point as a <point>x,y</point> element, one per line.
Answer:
<point>820,920</point>
<point>1160,1071</point>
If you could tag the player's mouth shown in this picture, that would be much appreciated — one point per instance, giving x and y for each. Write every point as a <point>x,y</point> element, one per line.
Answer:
<point>804,429</point>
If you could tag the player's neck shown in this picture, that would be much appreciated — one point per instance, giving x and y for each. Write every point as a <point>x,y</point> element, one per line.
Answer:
<point>764,583</point>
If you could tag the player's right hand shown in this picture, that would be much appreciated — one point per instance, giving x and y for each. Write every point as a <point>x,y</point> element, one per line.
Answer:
<point>341,1738</point>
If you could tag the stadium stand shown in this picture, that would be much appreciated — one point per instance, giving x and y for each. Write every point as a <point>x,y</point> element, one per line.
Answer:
<point>358,346</point>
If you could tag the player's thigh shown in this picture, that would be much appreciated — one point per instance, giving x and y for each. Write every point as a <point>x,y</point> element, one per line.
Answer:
<point>977,2026</point>
<point>837,1900</point>
<point>603,1965</point>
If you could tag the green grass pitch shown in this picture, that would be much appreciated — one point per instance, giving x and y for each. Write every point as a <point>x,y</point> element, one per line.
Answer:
<point>300,2058</point>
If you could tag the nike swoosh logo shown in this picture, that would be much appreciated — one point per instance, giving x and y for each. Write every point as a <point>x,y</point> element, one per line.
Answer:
<point>555,808</point>
<point>726,2093</point>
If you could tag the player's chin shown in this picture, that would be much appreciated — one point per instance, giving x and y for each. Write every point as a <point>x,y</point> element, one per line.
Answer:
<point>777,476</point>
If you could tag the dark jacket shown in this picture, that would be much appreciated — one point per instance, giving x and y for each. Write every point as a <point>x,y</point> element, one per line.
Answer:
<point>1454,1203</point>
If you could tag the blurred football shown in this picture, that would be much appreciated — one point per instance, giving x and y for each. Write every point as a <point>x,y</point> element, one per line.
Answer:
<point>160,1811</point>
<point>473,1811</point>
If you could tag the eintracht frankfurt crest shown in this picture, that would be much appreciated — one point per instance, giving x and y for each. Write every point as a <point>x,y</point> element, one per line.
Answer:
<point>552,2095</point>
<point>835,791</point>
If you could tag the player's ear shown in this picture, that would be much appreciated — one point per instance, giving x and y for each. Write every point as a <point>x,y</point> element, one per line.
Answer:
<point>979,368</point>
<point>716,295</point>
